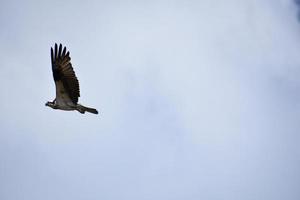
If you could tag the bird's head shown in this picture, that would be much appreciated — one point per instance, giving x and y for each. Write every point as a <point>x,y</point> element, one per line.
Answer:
<point>50,104</point>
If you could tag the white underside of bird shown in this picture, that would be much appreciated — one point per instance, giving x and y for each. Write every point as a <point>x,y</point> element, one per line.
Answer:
<point>62,99</point>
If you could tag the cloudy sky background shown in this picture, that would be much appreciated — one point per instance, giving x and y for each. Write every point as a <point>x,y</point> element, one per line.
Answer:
<point>197,100</point>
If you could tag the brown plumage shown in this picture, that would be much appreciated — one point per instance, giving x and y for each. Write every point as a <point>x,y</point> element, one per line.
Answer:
<point>63,70</point>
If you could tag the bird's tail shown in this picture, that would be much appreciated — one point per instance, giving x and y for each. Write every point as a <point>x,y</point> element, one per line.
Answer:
<point>82,109</point>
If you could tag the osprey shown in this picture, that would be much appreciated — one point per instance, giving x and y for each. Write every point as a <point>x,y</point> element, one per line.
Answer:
<point>66,83</point>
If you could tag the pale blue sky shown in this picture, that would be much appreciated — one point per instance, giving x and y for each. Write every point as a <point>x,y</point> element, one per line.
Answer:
<point>197,100</point>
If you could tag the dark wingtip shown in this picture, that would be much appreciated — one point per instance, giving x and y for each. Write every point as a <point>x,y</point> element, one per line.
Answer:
<point>64,51</point>
<point>55,51</point>
<point>52,55</point>
<point>59,50</point>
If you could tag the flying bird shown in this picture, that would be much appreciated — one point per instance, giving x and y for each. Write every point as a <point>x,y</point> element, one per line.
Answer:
<point>66,83</point>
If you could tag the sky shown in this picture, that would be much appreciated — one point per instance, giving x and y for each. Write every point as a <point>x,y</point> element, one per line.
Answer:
<point>196,100</point>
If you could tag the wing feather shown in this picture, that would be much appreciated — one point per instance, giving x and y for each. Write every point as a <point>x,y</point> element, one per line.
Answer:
<point>63,71</point>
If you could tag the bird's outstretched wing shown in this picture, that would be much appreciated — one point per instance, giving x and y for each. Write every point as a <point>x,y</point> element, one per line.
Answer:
<point>63,74</point>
